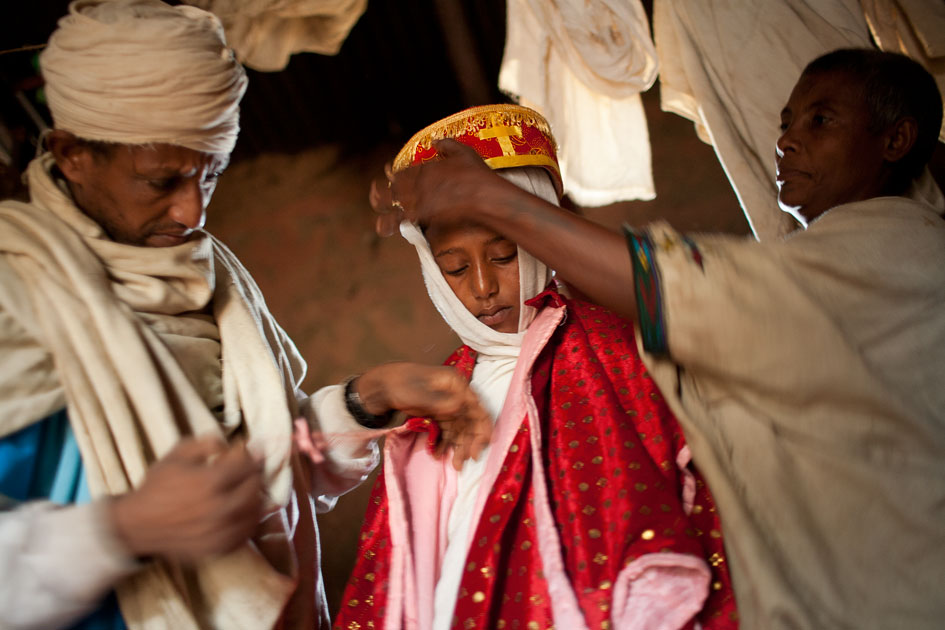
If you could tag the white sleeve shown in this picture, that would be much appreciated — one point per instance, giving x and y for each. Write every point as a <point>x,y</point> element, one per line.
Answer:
<point>352,451</point>
<point>57,563</point>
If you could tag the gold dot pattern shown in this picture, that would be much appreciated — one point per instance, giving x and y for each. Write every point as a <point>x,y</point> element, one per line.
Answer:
<point>609,445</point>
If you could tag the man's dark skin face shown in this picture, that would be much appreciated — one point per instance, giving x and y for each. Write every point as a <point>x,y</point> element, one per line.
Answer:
<point>827,154</point>
<point>153,196</point>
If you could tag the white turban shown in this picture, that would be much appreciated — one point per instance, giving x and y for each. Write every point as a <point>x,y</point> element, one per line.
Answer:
<point>140,71</point>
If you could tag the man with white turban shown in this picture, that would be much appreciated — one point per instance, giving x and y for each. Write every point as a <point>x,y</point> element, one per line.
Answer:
<point>141,368</point>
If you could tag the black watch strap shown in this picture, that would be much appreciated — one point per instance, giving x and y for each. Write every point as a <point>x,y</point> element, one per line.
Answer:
<point>356,408</point>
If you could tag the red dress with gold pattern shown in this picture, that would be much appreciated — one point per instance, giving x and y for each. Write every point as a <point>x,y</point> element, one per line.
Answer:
<point>619,488</point>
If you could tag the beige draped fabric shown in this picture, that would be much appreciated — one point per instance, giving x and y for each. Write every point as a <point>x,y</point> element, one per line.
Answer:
<point>114,320</point>
<point>139,71</point>
<point>807,375</point>
<point>265,33</point>
<point>911,27</point>
<point>583,66</point>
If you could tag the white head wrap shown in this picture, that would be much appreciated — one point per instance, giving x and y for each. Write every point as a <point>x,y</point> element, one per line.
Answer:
<point>533,277</point>
<point>140,71</point>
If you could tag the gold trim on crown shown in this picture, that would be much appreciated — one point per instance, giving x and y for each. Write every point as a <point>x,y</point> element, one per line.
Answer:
<point>470,121</point>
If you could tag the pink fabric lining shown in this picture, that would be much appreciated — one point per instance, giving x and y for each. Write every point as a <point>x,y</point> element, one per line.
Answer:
<point>315,444</point>
<point>420,492</point>
<point>659,591</point>
<point>683,457</point>
<point>311,443</point>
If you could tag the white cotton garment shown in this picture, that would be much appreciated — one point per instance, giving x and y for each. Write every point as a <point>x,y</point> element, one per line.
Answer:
<point>583,65</point>
<point>266,33</point>
<point>141,71</point>
<point>130,401</point>
<point>495,363</point>
<point>806,374</point>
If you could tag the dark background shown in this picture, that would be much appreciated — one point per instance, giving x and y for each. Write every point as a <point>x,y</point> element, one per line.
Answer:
<point>405,64</point>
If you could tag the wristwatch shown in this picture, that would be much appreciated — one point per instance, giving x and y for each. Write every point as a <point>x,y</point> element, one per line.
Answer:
<point>355,407</point>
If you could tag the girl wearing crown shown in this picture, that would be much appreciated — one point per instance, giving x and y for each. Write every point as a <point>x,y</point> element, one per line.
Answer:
<point>584,510</point>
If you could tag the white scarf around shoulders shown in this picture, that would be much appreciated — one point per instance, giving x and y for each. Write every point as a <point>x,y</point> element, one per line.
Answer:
<point>97,306</point>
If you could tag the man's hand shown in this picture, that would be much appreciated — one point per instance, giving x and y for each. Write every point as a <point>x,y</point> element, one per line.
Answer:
<point>203,498</point>
<point>439,393</point>
<point>441,188</point>
<point>458,186</point>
